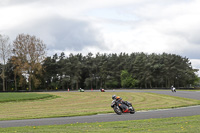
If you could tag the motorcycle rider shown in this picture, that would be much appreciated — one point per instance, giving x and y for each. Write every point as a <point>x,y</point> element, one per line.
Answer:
<point>173,89</point>
<point>123,104</point>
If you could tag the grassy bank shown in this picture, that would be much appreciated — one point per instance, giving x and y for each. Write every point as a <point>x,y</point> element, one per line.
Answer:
<point>188,124</point>
<point>87,103</point>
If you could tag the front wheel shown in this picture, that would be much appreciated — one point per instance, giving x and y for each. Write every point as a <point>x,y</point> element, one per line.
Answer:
<point>132,111</point>
<point>117,110</point>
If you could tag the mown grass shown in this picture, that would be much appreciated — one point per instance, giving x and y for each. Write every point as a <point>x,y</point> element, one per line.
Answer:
<point>189,124</point>
<point>87,103</point>
<point>16,97</point>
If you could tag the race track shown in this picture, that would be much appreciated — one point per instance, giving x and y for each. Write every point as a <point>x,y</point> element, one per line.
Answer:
<point>185,94</point>
<point>185,111</point>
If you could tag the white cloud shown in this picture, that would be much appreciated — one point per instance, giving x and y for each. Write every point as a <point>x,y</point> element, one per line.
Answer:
<point>196,64</point>
<point>156,27</point>
<point>107,26</point>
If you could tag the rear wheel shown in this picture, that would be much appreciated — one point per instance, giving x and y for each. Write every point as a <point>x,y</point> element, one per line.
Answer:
<point>117,110</point>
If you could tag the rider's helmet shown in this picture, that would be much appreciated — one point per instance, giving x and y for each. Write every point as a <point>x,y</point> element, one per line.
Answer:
<point>114,97</point>
<point>118,97</point>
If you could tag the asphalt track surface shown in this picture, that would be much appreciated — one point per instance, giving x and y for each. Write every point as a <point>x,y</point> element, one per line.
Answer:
<point>163,113</point>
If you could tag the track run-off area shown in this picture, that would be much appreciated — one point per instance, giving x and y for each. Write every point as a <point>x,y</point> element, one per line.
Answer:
<point>161,113</point>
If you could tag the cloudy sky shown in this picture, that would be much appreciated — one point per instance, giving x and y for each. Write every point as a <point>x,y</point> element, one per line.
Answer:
<point>107,26</point>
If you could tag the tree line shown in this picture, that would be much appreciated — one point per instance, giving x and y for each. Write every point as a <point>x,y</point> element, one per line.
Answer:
<point>28,68</point>
<point>135,70</point>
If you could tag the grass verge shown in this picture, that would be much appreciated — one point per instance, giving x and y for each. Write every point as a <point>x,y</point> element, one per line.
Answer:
<point>189,124</point>
<point>87,103</point>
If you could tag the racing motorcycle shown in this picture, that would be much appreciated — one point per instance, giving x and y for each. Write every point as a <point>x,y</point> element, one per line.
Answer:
<point>102,90</point>
<point>118,107</point>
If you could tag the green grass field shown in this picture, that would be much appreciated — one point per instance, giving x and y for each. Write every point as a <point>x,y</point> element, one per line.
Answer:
<point>188,124</point>
<point>77,103</point>
<point>16,97</point>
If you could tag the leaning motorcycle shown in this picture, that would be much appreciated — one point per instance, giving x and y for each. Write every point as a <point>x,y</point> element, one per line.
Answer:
<point>117,107</point>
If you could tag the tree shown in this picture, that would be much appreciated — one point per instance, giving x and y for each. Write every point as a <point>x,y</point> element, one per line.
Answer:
<point>30,53</point>
<point>127,81</point>
<point>5,53</point>
<point>88,67</point>
<point>73,70</point>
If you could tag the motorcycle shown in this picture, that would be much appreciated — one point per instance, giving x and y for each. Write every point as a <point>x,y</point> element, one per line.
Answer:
<point>102,90</point>
<point>81,90</point>
<point>173,89</point>
<point>118,107</point>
